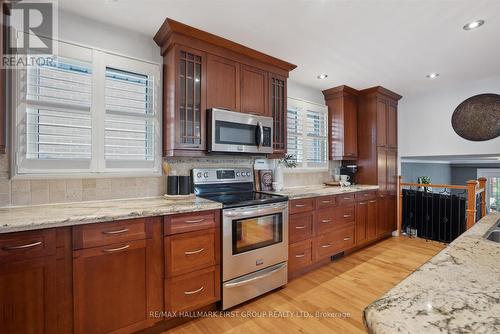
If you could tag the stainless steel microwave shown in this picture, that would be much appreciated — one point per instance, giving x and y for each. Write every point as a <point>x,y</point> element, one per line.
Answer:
<point>235,132</point>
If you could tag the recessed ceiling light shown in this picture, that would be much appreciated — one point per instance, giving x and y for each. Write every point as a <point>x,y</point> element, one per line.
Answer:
<point>473,25</point>
<point>322,76</point>
<point>432,75</point>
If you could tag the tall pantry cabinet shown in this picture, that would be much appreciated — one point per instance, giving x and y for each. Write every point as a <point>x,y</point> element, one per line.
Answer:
<point>378,150</point>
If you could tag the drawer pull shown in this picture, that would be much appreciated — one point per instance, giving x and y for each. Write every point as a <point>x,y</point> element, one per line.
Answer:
<point>300,255</point>
<point>300,227</point>
<point>347,238</point>
<point>195,221</point>
<point>362,203</point>
<point>116,232</point>
<point>374,201</point>
<point>194,291</point>
<point>326,246</point>
<point>347,198</point>
<point>326,202</point>
<point>112,250</point>
<point>300,205</point>
<point>194,252</point>
<point>34,244</point>
<point>347,216</point>
<point>326,221</point>
<point>366,195</point>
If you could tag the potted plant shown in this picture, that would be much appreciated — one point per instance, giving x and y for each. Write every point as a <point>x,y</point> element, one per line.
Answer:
<point>288,161</point>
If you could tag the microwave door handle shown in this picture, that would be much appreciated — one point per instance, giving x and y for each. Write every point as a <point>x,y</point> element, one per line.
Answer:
<point>261,133</point>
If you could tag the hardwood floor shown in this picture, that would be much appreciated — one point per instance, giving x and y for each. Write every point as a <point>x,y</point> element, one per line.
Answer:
<point>347,285</point>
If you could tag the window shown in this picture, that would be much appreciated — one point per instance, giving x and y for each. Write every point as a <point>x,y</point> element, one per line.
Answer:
<point>88,111</point>
<point>492,176</point>
<point>308,133</point>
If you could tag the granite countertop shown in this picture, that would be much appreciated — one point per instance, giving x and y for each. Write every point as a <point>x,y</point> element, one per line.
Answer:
<point>320,190</point>
<point>457,291</point>
<point>35,217</point>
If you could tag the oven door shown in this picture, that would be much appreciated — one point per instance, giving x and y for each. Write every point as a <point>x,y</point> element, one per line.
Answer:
<point>237,132</point>
<point>254,238</point>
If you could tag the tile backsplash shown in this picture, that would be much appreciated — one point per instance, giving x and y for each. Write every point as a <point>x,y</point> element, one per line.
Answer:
<point>45,191</point>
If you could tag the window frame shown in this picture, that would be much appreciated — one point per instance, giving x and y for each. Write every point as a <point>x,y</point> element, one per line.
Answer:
<point>302,106</point>
<point>96,166</point>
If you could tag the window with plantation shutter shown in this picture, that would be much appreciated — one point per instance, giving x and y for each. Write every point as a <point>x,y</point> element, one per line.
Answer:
<point>308,133</point>
<point>87,111</point>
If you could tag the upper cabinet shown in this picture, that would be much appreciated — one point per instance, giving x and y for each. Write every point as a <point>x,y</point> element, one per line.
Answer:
<point>343,128</point>
<point>203,71</point>
<point>377,138</point>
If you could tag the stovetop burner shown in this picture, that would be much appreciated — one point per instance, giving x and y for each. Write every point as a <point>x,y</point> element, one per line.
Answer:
<point>231,200</point>
<point>230,186</point>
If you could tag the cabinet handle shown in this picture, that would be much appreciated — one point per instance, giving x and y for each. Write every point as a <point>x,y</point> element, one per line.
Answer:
<point>350,154</point>
<point>366,195</point>
<point>326,246</point>
<point>326,202</point>
<point>300,255</point>
<point>34,244</point>
<point>299,205</point>
<point>347,238</point>
<point>300,227</point>
<point>112,250</point>
<point>116,232</point>
<point>326,221</point>
<point>362,203</point>
<point>195,221</point>
<point>347,198</point>
<point>194,291</point>
<point>382,196</point>
<point>194,252</point>
<point>347,216</point>
<point>374,201</point>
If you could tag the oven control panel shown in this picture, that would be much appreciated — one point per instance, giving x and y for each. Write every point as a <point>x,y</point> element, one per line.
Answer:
<point>222,175</point>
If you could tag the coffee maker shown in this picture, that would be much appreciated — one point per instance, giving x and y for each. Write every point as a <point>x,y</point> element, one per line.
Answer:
<point>349,170</point>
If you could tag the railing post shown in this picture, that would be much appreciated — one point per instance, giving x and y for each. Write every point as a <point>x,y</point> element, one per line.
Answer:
<point>400,205</point>
<point>471,203</point>
<point>482,185</point>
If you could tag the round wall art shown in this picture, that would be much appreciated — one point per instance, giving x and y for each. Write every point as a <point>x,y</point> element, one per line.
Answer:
<point>478,117</point>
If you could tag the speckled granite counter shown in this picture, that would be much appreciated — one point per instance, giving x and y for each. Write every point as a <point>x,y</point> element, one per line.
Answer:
<point>320,190</point>
<point>45,216</point>
<point>457,291</point>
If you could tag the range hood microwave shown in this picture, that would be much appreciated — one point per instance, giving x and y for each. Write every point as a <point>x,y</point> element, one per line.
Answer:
<point>235,132</point>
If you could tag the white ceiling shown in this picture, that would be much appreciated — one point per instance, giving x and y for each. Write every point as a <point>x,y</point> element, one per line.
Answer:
<point>393,43</point>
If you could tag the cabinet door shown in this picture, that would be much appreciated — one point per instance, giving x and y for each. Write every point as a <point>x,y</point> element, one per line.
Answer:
<point>28,296</point>
<point>391,213</point>
<point>115,287</point>
<point>381,224</point>
<point>278,109</point>
<point>392,171</point>
<point>223,83</point>
<point>191,100</point>
<point>253,90</point>
<point>381,123</point>
<point>350,128</point>
<point>361,222</point>
<point>392,126</point>
<point>382,169</point>
<point>371,224</point>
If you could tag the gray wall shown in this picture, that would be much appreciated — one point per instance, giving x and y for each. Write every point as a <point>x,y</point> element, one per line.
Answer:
<point>438,172</point>
<point>460,174</point>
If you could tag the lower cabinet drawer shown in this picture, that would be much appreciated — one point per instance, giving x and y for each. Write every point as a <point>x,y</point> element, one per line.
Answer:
<point>188,222</point>
<point>345,215</point>
<point>299,255</point>
<point>190,251</point>
<point>27,245</point>
<point>334,242</point>
<point>194,290</point>
<point>300,226</point>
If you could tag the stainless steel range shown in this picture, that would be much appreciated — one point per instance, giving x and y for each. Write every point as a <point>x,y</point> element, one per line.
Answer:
<point>254,233</point>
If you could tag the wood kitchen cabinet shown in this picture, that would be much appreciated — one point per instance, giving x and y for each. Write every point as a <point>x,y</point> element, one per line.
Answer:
<point>386,221</point>
<point>35,282</point>
<point>366,218</point>
<point>203,71</point>
<point>377,138</point>
<point>343,128</point>
<point>117,285</point>
<point>278,111</point>
<point>223,83</point>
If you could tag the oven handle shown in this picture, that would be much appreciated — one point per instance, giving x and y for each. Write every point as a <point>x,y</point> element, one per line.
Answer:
<point>255,278</point>
<point>254,212</point>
